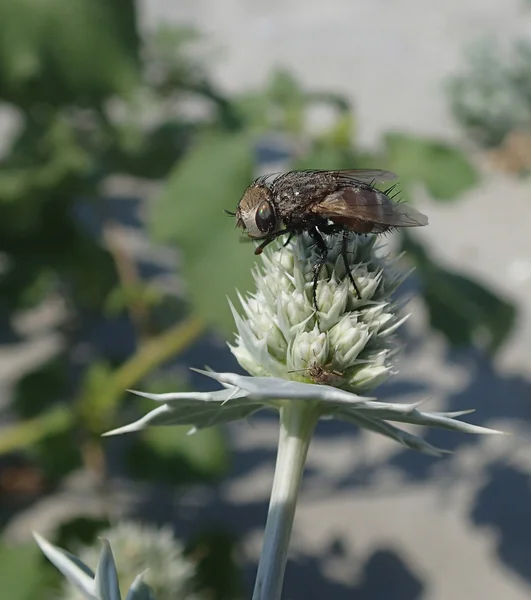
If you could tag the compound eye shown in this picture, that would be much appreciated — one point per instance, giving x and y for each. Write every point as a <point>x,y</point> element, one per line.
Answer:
<point>266,219</point>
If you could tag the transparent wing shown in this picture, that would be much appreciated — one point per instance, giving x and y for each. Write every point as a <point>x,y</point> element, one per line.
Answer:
<point>345,176</point>
<point>367,175</point>
<point>371,206</point>
<point>268,178</point>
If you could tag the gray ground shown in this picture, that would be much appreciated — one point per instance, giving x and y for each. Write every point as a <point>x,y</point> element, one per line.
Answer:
<point>388,523</point>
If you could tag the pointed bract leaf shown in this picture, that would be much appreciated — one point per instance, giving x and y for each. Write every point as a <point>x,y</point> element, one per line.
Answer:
<point>106,581</point>
<point>140,590</point>
<point>77,573</point>
<point>244,395</point>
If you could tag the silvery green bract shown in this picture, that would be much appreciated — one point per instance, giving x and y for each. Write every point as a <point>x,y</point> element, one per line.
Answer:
<point>102,585</point>
<point>323,360</point>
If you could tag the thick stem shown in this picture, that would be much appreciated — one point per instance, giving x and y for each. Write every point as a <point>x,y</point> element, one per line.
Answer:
<point>297,422</point>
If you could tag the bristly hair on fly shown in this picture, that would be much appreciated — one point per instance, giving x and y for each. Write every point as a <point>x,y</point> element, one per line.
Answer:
<point>323,202</point>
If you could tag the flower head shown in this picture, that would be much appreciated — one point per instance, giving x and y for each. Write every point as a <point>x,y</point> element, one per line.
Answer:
<point>145,548</point>
<point>89,585</point>
<point>321,359</point>
<point>281,333</point>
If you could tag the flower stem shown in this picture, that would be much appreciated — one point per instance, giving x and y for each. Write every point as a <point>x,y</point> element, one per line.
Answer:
<point>297,422</point>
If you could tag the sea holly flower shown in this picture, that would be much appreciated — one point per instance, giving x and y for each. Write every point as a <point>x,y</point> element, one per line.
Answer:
<point>286,345</point>
<point>308,363</point>
<point>139,547</point>
<point>101,585</point>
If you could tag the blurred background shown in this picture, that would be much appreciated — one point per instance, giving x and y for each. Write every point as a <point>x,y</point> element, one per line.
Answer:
<point>126,129</point>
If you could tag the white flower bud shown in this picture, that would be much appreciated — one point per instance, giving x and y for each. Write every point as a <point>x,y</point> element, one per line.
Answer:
<point>348,338</point>
<point>308,347</point>
<point>368,377</point>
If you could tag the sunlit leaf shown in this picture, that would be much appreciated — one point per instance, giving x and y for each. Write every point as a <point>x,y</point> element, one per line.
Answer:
<point>190,213</point>
<point>443,169</point>
<point>327,156</point>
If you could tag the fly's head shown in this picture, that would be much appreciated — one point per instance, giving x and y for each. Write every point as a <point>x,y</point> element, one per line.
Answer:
<point>256,213</point>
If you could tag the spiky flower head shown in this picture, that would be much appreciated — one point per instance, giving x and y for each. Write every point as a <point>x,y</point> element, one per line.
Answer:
<point>144,548</point>
<point>325,360</point>
<point>348,341</point>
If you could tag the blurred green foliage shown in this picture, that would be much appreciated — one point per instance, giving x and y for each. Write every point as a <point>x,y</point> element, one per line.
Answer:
<point>92,102</point>
<point>22,559</point>
<point>179,457</point>
<point>444,171</point>
<point>466,312</point>
<point>59,53</point>
<point>491,100</point>
<point>190,213</point>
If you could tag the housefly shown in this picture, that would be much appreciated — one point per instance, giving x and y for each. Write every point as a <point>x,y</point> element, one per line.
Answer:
<point>322,202</point>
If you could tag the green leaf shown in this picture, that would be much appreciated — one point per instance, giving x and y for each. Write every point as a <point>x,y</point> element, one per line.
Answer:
<point>465,311</point>
<point>45,159</point>
<point>217,567</point>
<point>190,213</point>
<point>126,297</point>
<point>330,154</point>
<point>21,571</point>
<point>57,52</point>
<point>41,388</point>
<point>326,156</point>
<point>169,454</point>
<point>30,432</point>
<point>443,169</point>
<point>279,106</point>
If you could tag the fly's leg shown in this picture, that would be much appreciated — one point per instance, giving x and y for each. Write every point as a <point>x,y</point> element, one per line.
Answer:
<point>344,256</point>
<point>290,237</point>
<point>319,263</point>
<point>269,239</point>
<point>331,229</point>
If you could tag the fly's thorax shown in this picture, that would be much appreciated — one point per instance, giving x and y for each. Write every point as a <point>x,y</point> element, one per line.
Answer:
<point>294,198</point>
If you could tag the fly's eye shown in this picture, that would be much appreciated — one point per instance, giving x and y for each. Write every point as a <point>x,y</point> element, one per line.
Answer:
<point>265,218</point>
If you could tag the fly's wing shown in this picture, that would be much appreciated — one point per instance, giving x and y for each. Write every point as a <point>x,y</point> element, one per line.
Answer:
<point>370,206</point>
<point>268,178</point>
<point>369,176</point>
<point>327,179</point>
